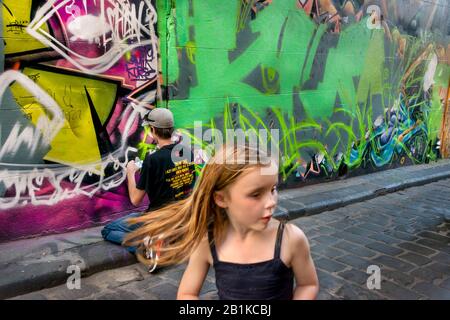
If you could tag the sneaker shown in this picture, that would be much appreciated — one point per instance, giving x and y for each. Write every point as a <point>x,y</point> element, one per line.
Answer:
<point>150,254</point>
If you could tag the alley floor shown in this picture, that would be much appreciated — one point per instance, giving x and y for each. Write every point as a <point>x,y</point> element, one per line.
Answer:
<point>405,234</point>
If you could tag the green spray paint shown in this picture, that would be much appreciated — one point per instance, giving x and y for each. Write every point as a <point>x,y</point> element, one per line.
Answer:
<point>285,47</point>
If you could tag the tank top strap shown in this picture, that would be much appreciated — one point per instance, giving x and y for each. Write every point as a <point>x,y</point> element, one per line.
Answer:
<point>212,245</point>
<point>278,242</point>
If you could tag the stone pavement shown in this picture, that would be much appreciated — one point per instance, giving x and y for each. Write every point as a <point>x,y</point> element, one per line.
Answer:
<point>402,232</point>
<point>405,233</point>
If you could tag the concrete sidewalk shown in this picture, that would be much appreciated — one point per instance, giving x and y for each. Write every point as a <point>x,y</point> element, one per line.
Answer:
<point>34,264</point>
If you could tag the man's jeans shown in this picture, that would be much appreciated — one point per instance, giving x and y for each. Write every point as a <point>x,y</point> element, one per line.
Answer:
<point>116,230</point>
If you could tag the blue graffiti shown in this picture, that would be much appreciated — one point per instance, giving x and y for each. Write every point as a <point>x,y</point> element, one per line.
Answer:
<point>400,131</point>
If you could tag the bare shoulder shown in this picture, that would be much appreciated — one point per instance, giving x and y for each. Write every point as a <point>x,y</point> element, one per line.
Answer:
<point>203,251</point>
<point>296,237</point>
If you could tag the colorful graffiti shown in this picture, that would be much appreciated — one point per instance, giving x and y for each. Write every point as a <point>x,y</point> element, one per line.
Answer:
<point>352,85</point>
<point>78,76</point>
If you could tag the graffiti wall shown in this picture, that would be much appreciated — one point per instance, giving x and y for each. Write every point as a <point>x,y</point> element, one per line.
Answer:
<point>76,75</point>
<point>352,87</point>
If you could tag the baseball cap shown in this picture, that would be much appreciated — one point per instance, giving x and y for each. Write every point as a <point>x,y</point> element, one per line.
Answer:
<point>159,118</point>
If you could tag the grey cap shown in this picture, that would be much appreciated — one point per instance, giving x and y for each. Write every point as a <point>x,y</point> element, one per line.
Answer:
<point>159,118</point>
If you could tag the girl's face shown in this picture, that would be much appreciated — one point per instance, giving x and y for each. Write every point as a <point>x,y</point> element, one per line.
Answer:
<point>251,200</point>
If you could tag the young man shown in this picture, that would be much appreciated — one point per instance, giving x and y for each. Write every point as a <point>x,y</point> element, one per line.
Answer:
<point>164,176</point>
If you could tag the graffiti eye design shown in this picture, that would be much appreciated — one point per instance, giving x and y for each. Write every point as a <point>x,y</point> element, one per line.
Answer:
<point>116,26</point>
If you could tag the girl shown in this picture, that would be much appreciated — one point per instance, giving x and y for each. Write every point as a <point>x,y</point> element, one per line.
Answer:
<point>227,223</point>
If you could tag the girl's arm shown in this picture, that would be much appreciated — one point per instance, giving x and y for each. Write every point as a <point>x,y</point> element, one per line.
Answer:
<point>195,273</point>
<point>307,283</point>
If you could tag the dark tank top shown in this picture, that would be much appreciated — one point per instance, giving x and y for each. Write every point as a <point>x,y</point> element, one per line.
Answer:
<point>266,280</point>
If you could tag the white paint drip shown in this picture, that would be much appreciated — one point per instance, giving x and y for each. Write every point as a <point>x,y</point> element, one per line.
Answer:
<point>97,27</point>
<point>428,78</point>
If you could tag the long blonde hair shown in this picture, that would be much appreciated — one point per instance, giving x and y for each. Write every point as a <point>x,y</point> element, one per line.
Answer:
<point>182,225</point>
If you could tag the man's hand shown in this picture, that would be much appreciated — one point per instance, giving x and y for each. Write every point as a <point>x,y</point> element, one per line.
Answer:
<point>136,195</point>
<point>132,167</point>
